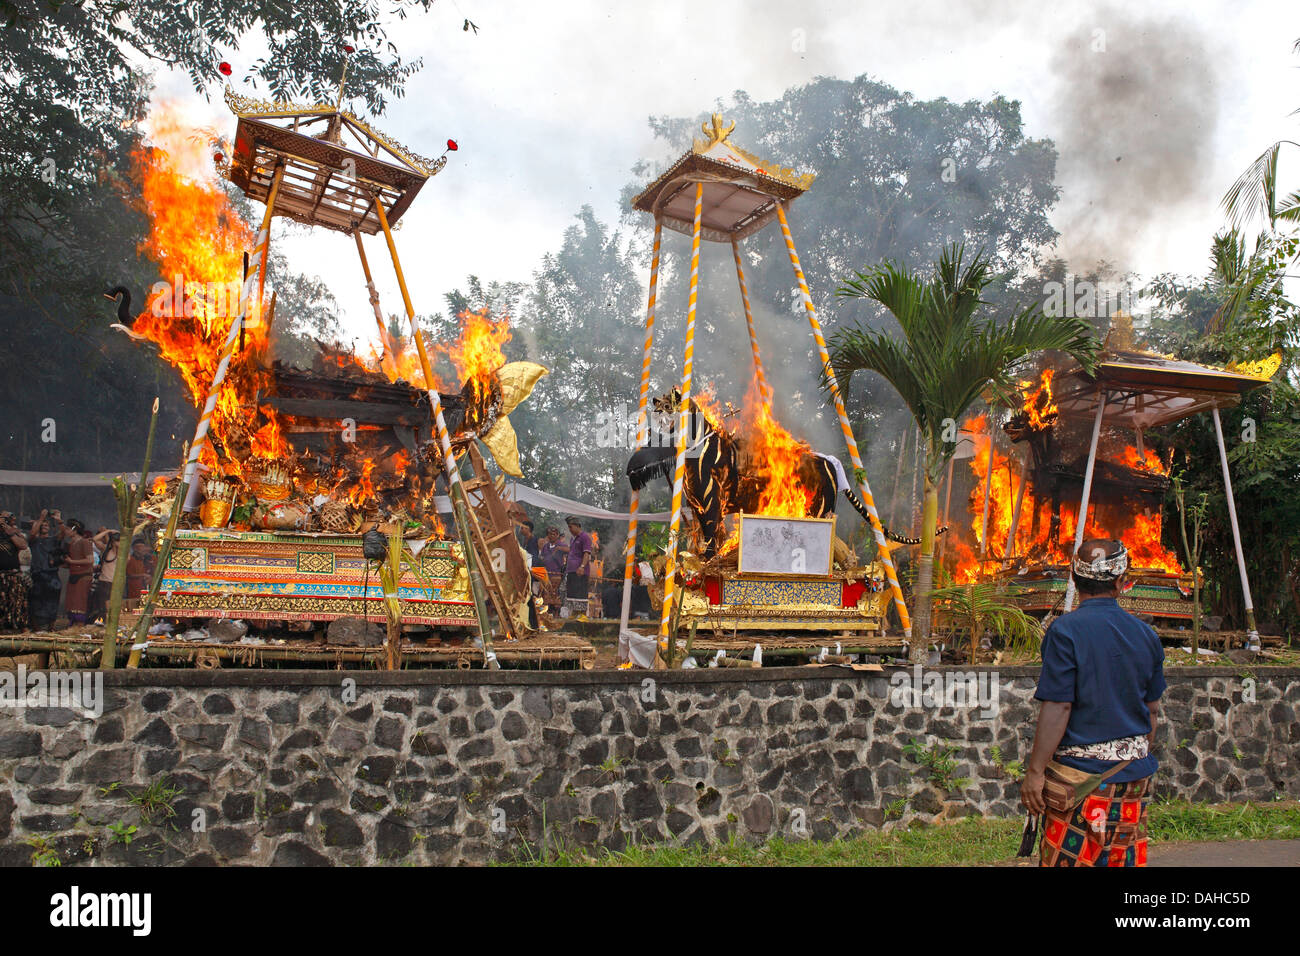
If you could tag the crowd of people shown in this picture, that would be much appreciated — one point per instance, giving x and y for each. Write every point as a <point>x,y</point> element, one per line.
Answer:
<point>567,563</point>
<point>52,569</point>
<point>563,569</point>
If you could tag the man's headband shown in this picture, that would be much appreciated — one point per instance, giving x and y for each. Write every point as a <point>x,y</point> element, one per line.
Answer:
<point>1105,568</point>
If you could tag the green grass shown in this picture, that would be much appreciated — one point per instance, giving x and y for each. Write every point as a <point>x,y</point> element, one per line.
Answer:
<point>972,841</point>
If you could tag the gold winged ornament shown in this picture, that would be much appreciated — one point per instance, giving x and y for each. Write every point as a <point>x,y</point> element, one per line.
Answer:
<point>517,380</point>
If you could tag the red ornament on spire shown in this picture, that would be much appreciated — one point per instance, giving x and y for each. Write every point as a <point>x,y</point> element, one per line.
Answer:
<point>224,67</point>
<point>349,48</point>
<point>451,145</point>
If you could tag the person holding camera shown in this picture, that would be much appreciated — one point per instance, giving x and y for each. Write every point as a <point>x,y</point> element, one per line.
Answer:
<point>15,585</point>
<point>47,555</point>
<point>103,586</point>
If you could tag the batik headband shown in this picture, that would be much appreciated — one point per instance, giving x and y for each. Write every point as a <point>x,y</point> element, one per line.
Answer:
<point>1105,568</point>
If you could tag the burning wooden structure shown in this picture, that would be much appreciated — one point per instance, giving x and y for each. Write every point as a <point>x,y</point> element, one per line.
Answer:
<point>1084,452</point>
<point>294,465</point>
<point>722,193</point>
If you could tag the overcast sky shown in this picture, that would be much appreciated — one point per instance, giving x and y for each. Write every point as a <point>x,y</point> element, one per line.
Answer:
<point>1155,108</point>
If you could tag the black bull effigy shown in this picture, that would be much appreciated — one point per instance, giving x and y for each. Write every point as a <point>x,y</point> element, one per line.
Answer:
<point>715,484</point>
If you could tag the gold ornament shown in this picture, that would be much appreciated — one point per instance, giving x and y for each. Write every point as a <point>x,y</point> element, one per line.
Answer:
<point>269,479</point>
<point>215,512</point>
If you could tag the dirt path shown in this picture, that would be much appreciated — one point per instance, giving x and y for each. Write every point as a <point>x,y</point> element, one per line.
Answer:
<point>1210,853</point>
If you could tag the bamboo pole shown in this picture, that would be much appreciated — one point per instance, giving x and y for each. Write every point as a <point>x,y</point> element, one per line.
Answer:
<point>882,549</point>
<point>385,347</point>
<point>390,578</point>
<point>232,337</point>
<point>141,635</point>
<point>988,488</point>
<point>1015,511</point>
<point>667,618</point>
<point>764,390</point>
<point>455,489</point>
<point>127,500</point>
<point>1087,492</point>
<point>629,558</point>
<point>1252,635</point>
<point>898,482</point>
<point>947,508</point>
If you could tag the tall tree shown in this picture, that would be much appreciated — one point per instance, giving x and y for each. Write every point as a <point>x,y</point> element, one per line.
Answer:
<point>947,355</point>
<point>898,177</point>
<point>1237,311</point>
<point>75,81</point>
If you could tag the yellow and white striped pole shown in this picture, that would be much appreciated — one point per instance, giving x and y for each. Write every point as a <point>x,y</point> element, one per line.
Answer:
<point>642,401</point>
<point>255,280</point>
<point>679,470</point>
<point>863,488</point>
<point>764,392</point>
<point>455,490</point>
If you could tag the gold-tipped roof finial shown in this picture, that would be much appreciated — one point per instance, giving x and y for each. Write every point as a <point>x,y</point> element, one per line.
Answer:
<point>716,130</point>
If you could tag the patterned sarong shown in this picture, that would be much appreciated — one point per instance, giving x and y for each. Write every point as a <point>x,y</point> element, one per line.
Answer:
<point>1107,829</point>
<point>14,589</point>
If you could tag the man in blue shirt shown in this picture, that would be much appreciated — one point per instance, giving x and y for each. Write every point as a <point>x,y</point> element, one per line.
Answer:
<point>1100,688</point>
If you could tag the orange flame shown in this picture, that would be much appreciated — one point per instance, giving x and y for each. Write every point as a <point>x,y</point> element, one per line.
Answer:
<point>478,352</point>
<point>776,456</point>
<point>198,239</point>
<point>1141,532</point>
<point>1040,406</point>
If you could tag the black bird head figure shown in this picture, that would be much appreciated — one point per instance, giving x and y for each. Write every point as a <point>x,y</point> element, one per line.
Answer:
<point>123,304</point>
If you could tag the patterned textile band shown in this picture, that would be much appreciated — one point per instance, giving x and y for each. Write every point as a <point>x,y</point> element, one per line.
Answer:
<point>1107,829</point>
<point>1122,748</point>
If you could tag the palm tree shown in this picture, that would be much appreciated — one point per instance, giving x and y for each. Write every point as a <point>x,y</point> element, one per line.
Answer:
<point>985,605</point>
<point>944,360</point>
<point>1254,194</point>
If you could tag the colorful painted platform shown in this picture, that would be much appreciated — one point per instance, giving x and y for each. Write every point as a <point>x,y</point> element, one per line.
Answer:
<point>781,603</point>
<point>290,576</point>
<point>1160,594</point>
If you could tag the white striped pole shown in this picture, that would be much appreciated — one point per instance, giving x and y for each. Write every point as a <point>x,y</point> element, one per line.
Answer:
<point>679,471</point>
<point>455,490</point>
<point>254,279</point>
<point>1252,635</point>
<point>1080,525</point>
<point>630,556</point>
<point>764,392</point>
<point>863,488</point>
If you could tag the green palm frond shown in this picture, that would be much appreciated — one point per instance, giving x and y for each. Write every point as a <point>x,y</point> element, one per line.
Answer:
<point>860,349</point>
<point>1254,194</point>
<point>1228,256</point>
<point>1289,209</point>
<point>989,606</point>
<point>946,356</point>
<point>1243,280</point>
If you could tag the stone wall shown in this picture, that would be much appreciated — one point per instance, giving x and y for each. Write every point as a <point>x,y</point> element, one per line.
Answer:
<point>305,768</point>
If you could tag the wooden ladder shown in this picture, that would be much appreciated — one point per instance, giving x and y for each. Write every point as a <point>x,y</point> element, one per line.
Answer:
<point>501,565</point>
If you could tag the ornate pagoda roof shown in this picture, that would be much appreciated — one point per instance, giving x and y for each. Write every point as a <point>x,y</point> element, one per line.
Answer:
<point>1147,389</point>
<point>334,163</point>
<point>741,190</point>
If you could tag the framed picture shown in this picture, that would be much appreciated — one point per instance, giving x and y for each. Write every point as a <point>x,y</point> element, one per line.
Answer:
<point>799,547</point>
